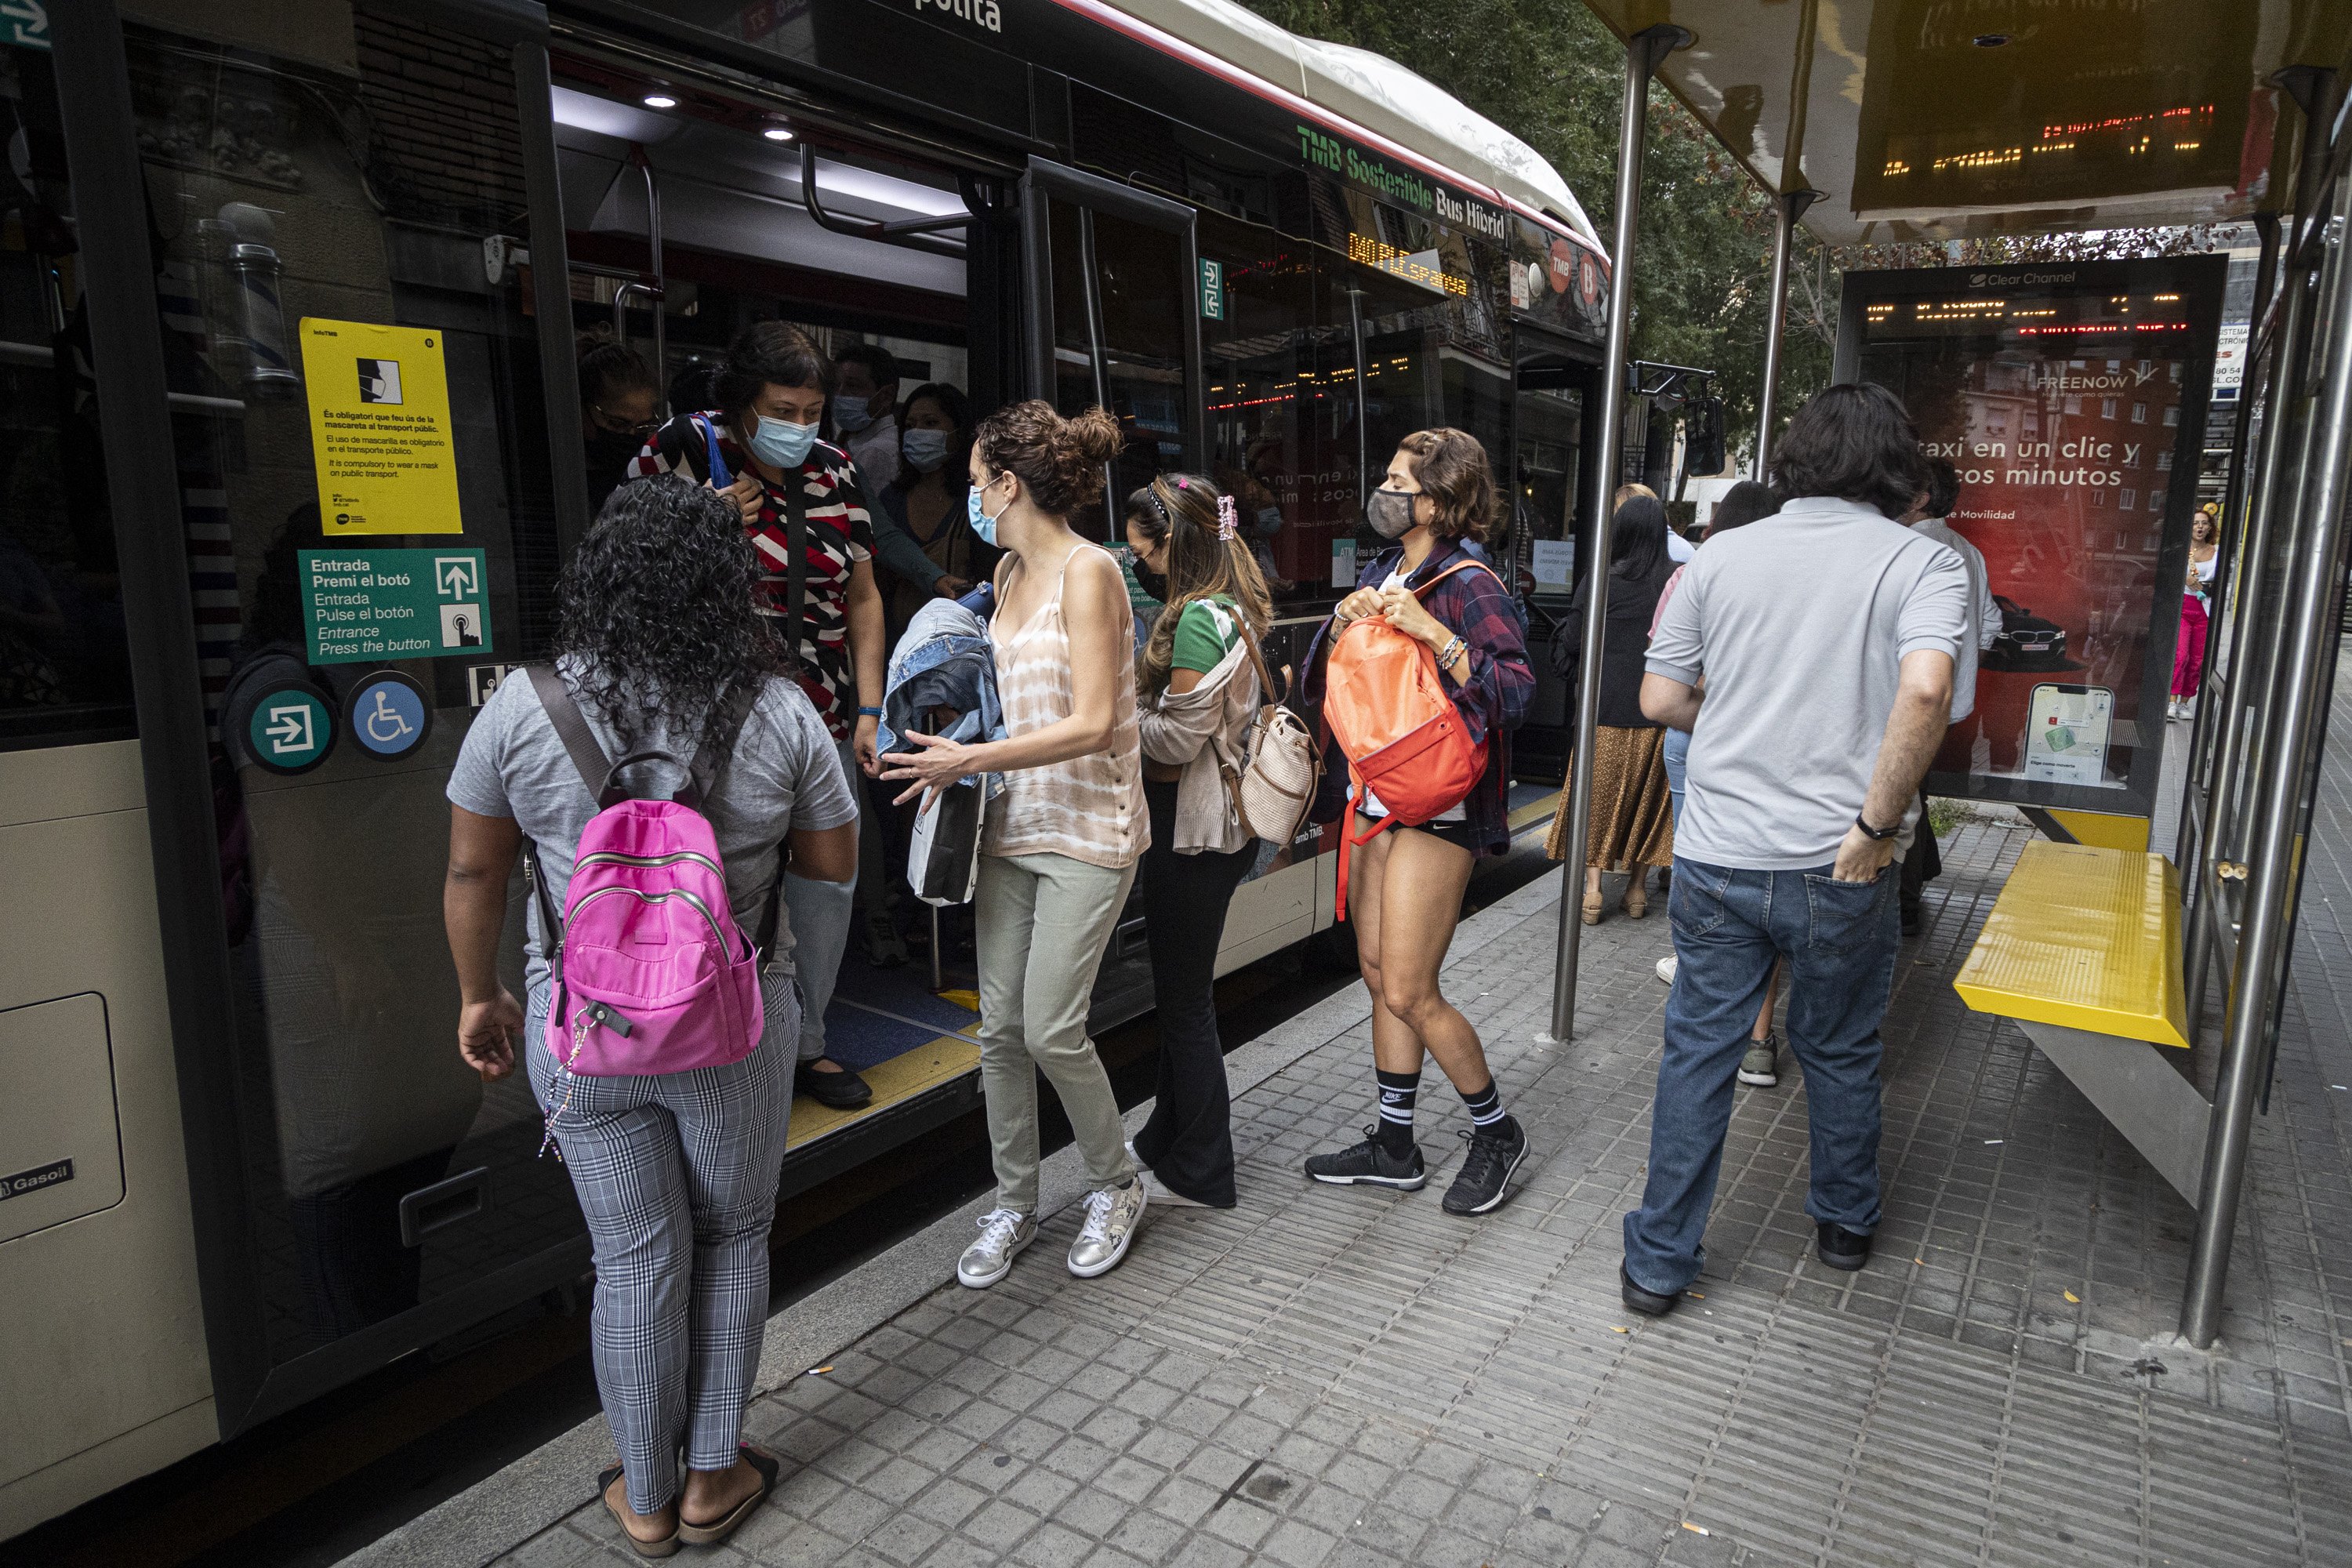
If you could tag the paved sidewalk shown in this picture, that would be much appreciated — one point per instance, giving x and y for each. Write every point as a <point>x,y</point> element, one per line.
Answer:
<point>1328,1376</point>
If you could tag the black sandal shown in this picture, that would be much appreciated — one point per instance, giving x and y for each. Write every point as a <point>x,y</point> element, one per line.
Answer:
<point>719,1530</point>
<point>666,1546</point>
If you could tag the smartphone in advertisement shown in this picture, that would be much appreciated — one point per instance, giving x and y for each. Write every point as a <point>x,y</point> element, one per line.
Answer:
<point>2067,731</point>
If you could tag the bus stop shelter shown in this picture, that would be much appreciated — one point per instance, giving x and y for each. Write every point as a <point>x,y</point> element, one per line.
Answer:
<point>1907,121</point>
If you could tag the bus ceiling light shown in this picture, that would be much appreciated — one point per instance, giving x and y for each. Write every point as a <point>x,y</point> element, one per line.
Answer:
<point>777,133</point>
<point>660,100</point>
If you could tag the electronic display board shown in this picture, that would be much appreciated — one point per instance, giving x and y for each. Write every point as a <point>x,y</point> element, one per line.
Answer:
<point>2071,397</point>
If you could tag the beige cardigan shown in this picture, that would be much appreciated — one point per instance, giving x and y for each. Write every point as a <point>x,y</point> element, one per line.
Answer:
<point>1206,732</point>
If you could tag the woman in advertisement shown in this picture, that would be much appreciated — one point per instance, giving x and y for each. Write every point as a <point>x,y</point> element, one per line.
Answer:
<point>2196,613</point>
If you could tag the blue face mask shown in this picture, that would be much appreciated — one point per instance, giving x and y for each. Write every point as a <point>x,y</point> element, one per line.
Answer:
<point>924,449</point>
<point>780,442</point>
<point>851,415</point>
<point>982,523</point>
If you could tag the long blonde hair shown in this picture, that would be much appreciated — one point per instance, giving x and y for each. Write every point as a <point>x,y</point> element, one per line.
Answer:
<point>1187,513</point>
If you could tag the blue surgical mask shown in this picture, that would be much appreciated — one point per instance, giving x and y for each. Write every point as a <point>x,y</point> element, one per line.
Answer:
<point>982,523</point>
<point>851,415</point>
<point>1269,520</point>
<point>924,449</point>
<point>780,442</point>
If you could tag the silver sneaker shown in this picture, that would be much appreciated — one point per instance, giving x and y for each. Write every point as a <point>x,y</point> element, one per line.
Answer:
<point>1112,1215</point>
<point>1002,1235</point>
<point>1761,1067</point>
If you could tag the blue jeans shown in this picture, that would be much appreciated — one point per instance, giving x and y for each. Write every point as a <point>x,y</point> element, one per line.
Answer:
<point>1729,926</point>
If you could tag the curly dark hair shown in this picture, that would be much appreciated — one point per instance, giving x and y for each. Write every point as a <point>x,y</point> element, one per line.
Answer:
<point>655,609</point>
<point>1059,461</point>
<point>1854,441</point>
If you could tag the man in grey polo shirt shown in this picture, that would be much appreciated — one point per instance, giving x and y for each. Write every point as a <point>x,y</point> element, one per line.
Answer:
<point>1825,637</point>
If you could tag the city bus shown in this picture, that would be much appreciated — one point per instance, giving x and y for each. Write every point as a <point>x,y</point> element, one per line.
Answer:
<point>288,303</point>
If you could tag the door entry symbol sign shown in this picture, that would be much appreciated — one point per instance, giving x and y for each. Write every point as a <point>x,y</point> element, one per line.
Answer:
<point>291,730</point>
<point>457,577</point>
<point>372,606</point>
<point>388,715</point>
<point>461,625</point>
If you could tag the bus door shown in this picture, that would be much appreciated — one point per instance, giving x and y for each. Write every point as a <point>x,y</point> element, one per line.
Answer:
<point>1112,297</point>
<point>1547,526</point>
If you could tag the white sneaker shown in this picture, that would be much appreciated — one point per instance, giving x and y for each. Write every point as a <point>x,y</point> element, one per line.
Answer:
<point>1666,969</point>
<point>1002,1235</point>
<point>1112,1215</point>
<point>1161,1193</point>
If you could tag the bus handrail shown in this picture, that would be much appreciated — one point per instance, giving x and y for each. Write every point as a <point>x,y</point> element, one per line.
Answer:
<point>913,233</point>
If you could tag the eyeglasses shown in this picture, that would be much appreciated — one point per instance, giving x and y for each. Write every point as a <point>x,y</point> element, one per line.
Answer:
<point>640,428</point>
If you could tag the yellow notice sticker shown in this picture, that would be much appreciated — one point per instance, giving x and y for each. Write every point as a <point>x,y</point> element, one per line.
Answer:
<point>380,428</point>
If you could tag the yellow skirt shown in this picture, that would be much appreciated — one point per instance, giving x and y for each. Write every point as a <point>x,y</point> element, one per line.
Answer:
<point>1633,818</point>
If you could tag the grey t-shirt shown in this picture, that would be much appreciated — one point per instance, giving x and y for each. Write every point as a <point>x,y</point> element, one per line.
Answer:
<point>1799,623</point>
<point>785,773</point>
<point>1984,616</point>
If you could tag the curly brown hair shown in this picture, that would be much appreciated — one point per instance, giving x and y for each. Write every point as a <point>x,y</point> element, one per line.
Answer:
<point>1456,475</point>
<point>1059,461</point>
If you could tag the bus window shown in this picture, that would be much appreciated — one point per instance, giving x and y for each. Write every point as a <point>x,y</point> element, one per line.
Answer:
<point>361,439</point>
<point>65,675</point>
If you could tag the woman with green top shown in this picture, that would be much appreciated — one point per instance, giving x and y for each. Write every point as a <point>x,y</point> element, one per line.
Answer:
<point>1198,691</point>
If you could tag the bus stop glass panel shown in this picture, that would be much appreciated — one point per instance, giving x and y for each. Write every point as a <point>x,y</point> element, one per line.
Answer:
<point>361,452</point>
<point>65,675</point>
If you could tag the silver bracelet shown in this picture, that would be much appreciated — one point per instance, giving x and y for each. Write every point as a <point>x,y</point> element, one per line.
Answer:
<point>1451,652</point>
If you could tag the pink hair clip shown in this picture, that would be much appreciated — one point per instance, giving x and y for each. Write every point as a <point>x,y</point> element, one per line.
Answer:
<point>1228,518</point>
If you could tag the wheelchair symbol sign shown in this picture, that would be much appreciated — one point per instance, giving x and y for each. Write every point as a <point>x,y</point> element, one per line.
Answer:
<point>388,715</point>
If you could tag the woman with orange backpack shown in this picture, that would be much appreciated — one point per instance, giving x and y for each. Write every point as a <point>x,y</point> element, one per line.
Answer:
<point>1411,865</point>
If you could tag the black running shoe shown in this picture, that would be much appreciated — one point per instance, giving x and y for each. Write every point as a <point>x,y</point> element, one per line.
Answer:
<point>1840,1247</point>
<point>1484,1179</point>
<point>1370,1162</point>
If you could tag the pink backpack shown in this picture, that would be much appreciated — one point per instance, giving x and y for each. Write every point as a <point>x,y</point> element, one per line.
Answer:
<point>650,973</point>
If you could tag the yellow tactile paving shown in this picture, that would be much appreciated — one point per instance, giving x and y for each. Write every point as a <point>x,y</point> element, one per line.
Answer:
<point>2084,937</point>
<point>901,1077</point>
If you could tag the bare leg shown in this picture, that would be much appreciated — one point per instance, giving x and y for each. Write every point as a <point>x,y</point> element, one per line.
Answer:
<point>1408,892</point>
<point>1763,1027</point>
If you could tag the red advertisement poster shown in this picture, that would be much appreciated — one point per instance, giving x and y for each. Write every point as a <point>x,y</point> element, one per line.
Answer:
<point>2069,399</point>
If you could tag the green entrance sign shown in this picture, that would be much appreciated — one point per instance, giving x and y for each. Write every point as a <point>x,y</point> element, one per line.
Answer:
<point>1212,289</point>
<point>291,730</point>
<point>365,606</point>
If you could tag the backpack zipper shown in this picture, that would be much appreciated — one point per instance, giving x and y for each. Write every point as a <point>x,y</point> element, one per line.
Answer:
<point>699,906</point>
<point>615,857</point>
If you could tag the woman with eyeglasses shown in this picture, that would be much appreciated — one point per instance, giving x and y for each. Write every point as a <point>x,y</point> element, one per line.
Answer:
<point>759,446</point>
<point>619,411</point>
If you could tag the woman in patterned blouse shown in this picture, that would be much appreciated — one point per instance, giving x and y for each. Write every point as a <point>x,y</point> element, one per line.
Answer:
<point>760,446</point>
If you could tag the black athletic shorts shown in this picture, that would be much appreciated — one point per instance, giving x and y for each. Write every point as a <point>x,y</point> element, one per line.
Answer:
<point>1453,833</point>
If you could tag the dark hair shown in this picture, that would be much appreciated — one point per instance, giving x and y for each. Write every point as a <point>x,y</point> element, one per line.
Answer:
<point>1184,510</point>
<point>1638,540</point>
<point>1943,487</point>
<point>769,353</point>
<point>656,605</point>
<point>879,361</point>
<point>608,368</point>
<point>956,407</point>
<point>1456,475</point>
<point>694,389</point>
<point>1855,442</point>
<point>1742,504</point>
<point>1059,461</point>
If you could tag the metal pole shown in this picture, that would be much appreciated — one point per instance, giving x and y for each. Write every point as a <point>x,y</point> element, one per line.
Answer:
<point>2234,518</point>
<point>1788,206</point>
<point>1643,50</point>
<point>2242,695</point>
<point>2272,851</point>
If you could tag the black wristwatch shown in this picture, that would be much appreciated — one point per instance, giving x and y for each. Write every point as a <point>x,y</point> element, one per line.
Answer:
<point>1880,834</point>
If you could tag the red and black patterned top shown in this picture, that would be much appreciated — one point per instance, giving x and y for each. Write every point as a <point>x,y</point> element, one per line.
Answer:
<point>840,535</point>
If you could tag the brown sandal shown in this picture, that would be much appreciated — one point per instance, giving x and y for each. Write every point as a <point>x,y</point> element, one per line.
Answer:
<point>666,1547</point>
<point>719,1529</point>
<point>1592,908</point>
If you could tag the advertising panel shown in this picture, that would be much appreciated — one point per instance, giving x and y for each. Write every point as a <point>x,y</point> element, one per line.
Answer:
<point>2071,397</point>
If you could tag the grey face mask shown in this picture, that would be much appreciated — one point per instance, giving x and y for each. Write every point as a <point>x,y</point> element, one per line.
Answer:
<point>1391,513</point>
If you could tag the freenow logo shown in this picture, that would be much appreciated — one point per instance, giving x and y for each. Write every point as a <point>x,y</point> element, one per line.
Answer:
<point>2063,380</point>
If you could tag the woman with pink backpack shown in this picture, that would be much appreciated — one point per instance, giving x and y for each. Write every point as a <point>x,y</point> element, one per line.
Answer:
<point>654,772</point>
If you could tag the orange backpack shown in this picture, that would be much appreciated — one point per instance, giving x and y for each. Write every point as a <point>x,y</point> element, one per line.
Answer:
<point>1386,702</point>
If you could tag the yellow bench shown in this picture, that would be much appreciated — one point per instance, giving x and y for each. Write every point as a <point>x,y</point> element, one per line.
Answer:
<point>2083,950</point>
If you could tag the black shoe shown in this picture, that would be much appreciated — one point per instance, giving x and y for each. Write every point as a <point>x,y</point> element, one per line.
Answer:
<point>1841,1248</point>
<point>1370,1162</point>
<point>843,1091</point>
<point>1910,917</point>
<point>1484,1179</point>
<point>1648,1303</point>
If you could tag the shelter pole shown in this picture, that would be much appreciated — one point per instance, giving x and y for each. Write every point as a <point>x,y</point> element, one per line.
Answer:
<point>2233,508</point>
<point>1643,51</point>
<point>2298,727</point>
<point>1788,207</point>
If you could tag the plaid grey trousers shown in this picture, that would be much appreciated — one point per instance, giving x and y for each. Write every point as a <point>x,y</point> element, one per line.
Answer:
<point>676,1175</point>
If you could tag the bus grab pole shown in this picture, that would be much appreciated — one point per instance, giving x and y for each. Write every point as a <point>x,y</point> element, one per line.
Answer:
<point>1788,207</point>
<point>2275,796</point>
<point>1643,50</point>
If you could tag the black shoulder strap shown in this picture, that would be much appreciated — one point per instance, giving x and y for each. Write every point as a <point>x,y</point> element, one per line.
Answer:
<point>572,728</point>
<point>719,748</point>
